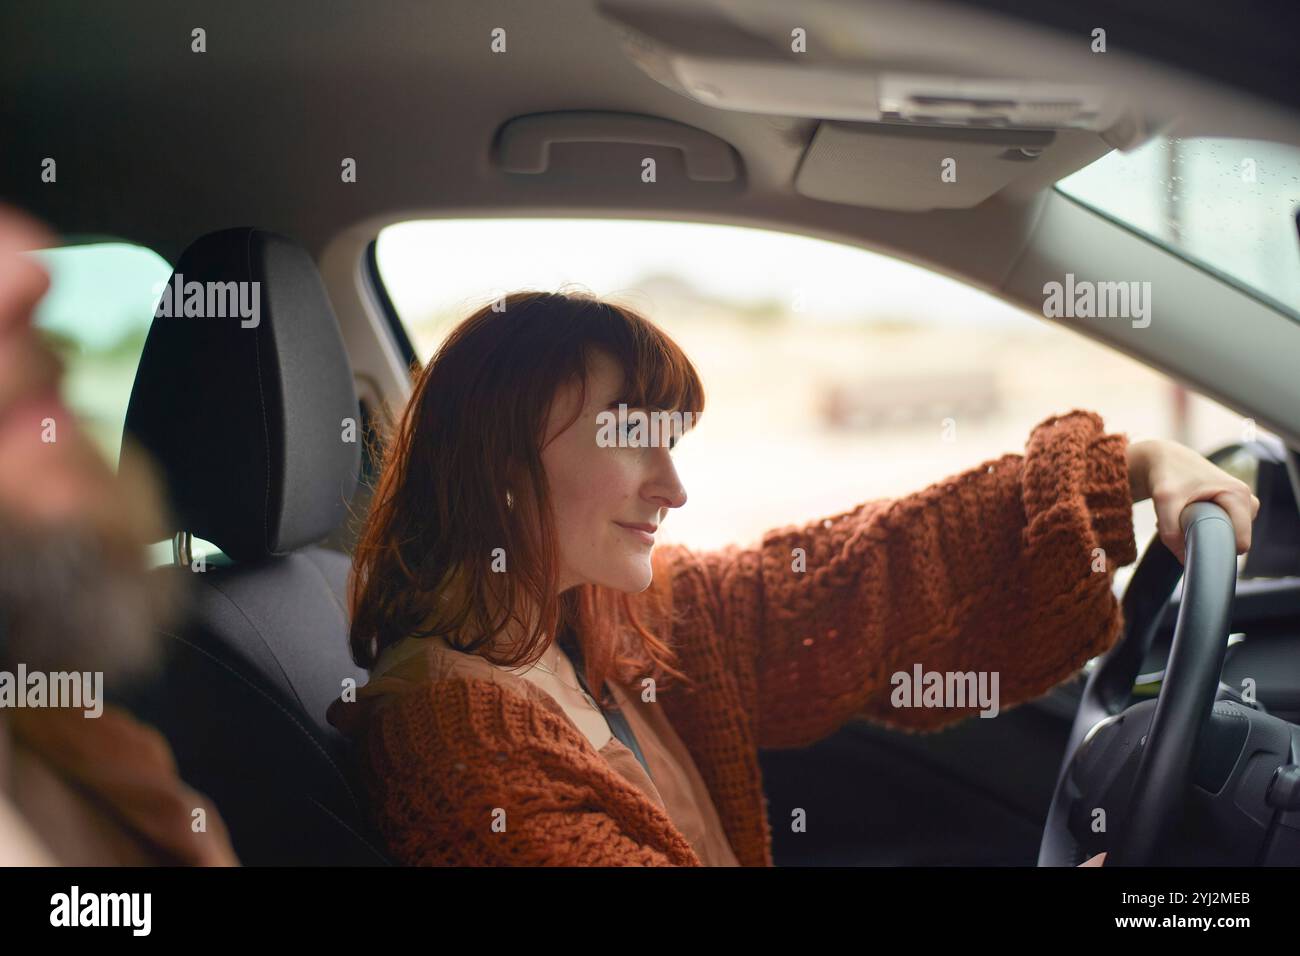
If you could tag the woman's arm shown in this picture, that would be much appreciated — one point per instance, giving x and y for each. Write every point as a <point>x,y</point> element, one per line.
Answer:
<point>1000,573</point>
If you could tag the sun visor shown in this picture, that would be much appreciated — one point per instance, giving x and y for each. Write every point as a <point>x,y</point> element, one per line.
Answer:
<point>914,169</point>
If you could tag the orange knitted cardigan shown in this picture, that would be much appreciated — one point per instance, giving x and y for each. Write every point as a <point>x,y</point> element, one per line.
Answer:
<point>994,569</point>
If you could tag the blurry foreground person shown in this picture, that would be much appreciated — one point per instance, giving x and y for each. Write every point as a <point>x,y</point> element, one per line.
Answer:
<point>84,785</point>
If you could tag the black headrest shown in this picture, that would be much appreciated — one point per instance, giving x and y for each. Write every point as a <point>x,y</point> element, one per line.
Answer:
<point>242,397</point>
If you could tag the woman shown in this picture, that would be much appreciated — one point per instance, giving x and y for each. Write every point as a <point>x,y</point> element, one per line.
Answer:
<point>508,567</point>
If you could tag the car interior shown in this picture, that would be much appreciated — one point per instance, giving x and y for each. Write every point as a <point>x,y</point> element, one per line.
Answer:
<point>275,143</point>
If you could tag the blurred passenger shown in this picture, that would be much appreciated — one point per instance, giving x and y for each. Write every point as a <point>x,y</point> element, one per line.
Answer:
<point>84,785</point>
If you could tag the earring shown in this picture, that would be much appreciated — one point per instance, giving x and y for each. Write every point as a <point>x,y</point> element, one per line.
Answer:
<point>510,500</point>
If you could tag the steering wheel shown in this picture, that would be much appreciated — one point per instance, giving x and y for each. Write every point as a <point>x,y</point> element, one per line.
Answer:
<point>1127,769</point>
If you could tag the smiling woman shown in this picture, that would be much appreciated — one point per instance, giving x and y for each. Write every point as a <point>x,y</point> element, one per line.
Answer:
<point>523,399</point>
<point>549,687</point>
<point>501,448</point>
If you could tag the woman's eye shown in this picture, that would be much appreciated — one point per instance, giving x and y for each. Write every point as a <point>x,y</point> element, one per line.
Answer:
<point>641,431</point>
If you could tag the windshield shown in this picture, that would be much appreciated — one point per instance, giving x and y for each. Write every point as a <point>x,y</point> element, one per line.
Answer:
<point>1228,205</point>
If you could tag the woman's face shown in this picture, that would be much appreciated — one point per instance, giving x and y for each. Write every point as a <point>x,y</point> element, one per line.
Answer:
<point>598,491</point>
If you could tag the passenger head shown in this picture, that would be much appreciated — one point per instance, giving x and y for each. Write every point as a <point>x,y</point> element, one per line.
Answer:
<point>500,518</point>
<point>76,592</point>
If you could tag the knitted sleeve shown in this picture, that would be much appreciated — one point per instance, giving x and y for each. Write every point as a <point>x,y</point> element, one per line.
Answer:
<point>896,609</point>
<point>462,772</point>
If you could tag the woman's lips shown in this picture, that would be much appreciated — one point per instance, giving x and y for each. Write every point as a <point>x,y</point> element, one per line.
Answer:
<point>643,536</point>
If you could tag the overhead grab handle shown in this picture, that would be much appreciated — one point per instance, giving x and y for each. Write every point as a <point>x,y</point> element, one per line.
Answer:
<point>525,142</point>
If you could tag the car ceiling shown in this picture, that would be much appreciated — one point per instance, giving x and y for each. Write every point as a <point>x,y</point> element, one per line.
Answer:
<point>159,145</point>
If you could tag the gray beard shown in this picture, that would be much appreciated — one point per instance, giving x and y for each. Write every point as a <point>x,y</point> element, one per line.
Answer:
<point>79,595</point>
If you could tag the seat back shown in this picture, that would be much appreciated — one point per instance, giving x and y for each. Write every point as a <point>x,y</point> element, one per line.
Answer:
<point>247,416</point>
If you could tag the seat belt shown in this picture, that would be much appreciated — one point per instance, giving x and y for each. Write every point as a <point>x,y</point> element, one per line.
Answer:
<point>618,724</point>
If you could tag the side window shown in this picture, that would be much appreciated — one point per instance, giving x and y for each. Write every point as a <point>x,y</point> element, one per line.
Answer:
<point>834,375</point>
<point>96,314</point>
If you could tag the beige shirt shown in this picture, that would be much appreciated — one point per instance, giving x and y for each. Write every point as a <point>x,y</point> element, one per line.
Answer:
<point>676,787</point>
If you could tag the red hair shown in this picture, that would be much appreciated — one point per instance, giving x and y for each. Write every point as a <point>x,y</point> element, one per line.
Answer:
<point>471,432</point>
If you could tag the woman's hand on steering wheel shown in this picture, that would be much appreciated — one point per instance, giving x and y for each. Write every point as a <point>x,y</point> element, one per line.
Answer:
<point>1174,476</point>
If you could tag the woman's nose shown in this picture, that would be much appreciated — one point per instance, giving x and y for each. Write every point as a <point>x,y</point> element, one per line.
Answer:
<point>666,486</point>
